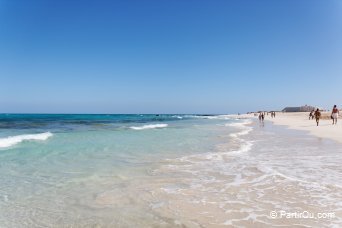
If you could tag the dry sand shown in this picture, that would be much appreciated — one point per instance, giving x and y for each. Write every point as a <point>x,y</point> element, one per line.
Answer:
<point>300,121</point>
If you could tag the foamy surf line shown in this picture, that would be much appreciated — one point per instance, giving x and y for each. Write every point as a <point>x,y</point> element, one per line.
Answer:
<point>149,126</point>
<point>240,124</point>
<point>245,130</point>
<point>13,140</point>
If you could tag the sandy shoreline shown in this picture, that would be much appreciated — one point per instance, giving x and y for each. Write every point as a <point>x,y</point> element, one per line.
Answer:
<point>300,121</point>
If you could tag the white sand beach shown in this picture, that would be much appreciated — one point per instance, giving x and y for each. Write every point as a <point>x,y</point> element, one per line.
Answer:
<point>300,121</point>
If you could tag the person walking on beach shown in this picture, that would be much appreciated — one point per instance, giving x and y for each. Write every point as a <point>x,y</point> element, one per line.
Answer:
<point>317,116</point>
<point>311,116</point>
<point>334,114</point>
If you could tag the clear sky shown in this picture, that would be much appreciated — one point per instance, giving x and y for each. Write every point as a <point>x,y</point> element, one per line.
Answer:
<point>169,56</point>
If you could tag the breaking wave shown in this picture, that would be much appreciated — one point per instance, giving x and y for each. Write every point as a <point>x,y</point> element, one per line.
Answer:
<point>149,126</point>
<point>13,140</point>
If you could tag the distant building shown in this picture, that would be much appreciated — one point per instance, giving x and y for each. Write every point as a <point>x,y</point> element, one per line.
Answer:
<point>305,108</point>
<point>291,109</point>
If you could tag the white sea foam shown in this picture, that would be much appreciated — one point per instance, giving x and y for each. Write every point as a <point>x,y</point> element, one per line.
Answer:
<point>245,147</point>
<point>149,126</point>
<point>13,140</point>
<point>239,124</point>
<point>201,117</point>
<point>244,132</point>
<point>225,117</point>
<point>210,117</point>
<point>245,182</point>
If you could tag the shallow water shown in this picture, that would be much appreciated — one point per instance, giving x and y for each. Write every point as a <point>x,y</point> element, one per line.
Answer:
<point>284,171</point>
<point>164,171</point>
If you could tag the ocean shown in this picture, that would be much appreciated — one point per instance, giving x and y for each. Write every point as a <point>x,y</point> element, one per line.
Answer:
<point>164,171</point>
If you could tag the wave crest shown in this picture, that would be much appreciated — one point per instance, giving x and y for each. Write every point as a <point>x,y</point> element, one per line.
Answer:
<point>149,126</point>
<point>13,140</point>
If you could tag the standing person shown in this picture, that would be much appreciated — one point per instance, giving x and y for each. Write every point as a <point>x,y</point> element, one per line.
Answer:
<point>262,117</point>
<point>274,114</point>
<point>334,114</point>
<point>317,116</point>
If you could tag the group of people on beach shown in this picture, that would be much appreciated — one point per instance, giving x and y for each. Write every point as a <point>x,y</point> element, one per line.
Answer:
<point>317,115</point>
<point>262,115</point>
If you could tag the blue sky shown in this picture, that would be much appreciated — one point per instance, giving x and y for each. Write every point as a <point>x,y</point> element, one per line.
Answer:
<point>169,56</point>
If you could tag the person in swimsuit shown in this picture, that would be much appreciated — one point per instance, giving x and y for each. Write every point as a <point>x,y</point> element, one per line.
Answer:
<point>317,116</point>
<point>334,114</point>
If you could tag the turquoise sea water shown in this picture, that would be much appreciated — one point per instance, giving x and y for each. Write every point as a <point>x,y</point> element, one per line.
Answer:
<point>55,166</point>
<point>162,171</point>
